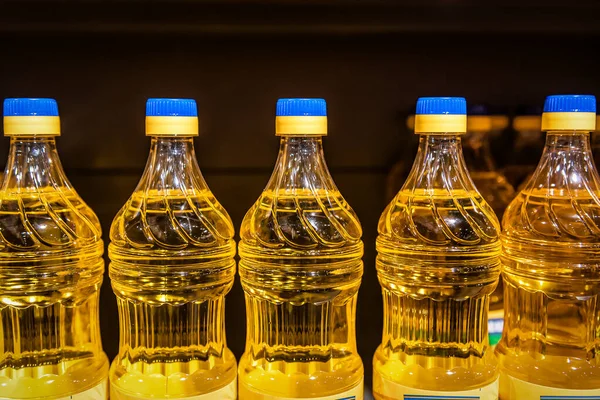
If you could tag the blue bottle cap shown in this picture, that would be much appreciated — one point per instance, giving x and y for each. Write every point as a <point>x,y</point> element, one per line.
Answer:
<point>569,113</point>
<point>301,117</point>
<point>31,117</point>
<point>570,103</point>
<point>171,108</point>
<point>301,108</point>
<point>441,115</point>
<point>171,117</point>
<point>21,107</point>
<point>442,105</point>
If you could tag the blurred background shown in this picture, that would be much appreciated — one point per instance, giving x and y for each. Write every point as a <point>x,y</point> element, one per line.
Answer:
<point>370,59</point>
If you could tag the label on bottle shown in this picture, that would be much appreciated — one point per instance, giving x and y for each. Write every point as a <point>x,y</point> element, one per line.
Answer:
<point>392,391</point>
<point>228,392</point>
<point>356,393</point>
<point>516,389</point>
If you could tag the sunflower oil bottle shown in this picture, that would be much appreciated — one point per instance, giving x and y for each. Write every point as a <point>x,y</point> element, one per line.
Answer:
<point>301,269</point>
<point>551,254</point>
<point>51,268</point>
<point>438,264</point>
<point>172,263</point>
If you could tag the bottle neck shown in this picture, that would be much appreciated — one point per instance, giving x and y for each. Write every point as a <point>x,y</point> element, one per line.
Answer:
<point>477,152</point>
<point>566,163</point>
<point>33,163</point>
<point>572,142</point>
<point>439,165</point>
<point>301,165</point>
<point>172,166</point>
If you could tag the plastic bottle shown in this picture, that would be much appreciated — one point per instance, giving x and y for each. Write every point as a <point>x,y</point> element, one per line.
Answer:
<point>51,268</point>
<point>528,145</point>
<point>551,253</point>
<point>438,263</point>
<point>301,269</point>
<point>172,263</point>
<point>490,182</point>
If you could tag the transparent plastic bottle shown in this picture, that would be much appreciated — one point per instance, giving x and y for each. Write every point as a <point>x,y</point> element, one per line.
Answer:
<point>438,263</point>
<point>550,259</point>
<point>301,269</point>
<point>51,268</point>
<point>172,263</point>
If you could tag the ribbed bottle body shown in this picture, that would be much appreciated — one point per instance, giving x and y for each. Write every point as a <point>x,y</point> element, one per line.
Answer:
<point>51,270</point>
<point>438,264</point>
<point>551,254</point>
<point>172,263</point>
<point>301,267</point>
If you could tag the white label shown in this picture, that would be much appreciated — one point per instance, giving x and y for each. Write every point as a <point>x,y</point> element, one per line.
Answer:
<point>392,391</point>
<point>228,392</point>
<point>356,393</point>
<point>516,389</point>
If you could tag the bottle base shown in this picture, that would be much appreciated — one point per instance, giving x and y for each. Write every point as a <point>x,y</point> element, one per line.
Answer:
<point>384,389</point>
<point>82,380</point>
<point>355,393</point>
<point>173,380</point>
<point>516,389</point>
<point>228,392</point>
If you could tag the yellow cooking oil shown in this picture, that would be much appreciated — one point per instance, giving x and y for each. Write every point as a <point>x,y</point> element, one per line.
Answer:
<point>301,268</point>
<point>172,263</point>
<point>551,254</point>
<point>438,263</point>
<point>51,268</point>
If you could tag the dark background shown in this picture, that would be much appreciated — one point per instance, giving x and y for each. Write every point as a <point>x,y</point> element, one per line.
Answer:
<point>369,59</point>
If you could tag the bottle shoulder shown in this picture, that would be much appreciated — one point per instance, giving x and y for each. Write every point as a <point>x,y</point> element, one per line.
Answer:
<point>301,222</point>
<point>438,221</point>
<point>45,220</point>
<point>170,221</point>
<point>553,217</point>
